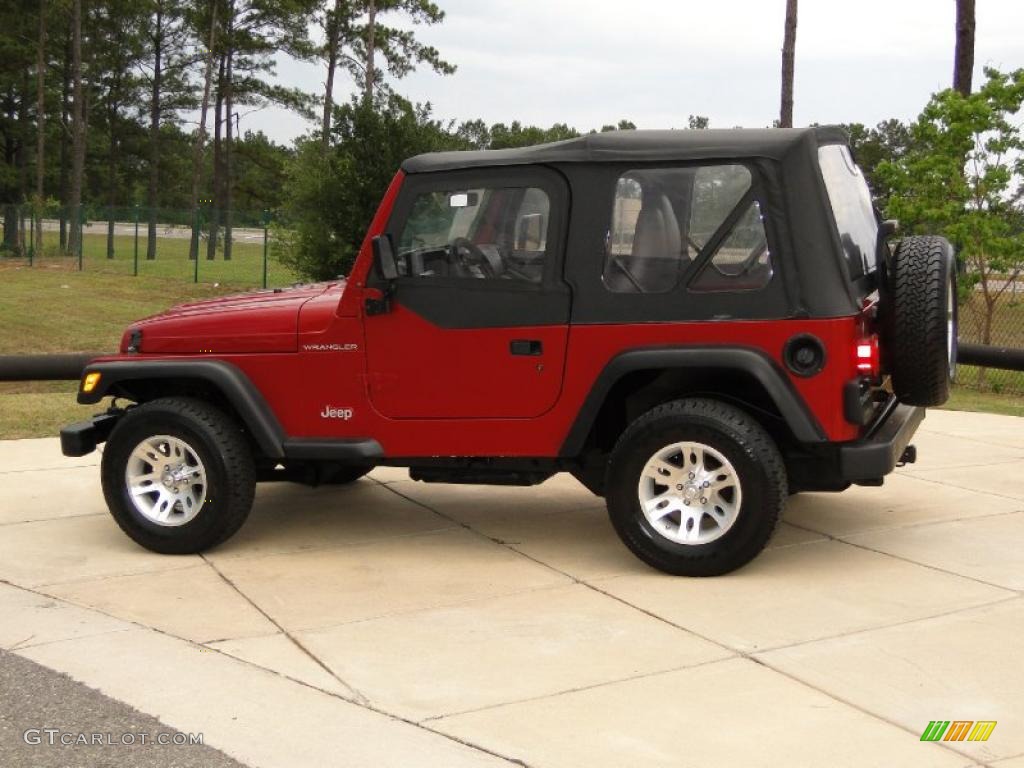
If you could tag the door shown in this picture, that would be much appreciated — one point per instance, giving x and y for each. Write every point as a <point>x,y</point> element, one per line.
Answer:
<point>478,318</point>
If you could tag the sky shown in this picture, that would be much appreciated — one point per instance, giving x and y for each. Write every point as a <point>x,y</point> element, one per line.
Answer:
<point>655,62</point>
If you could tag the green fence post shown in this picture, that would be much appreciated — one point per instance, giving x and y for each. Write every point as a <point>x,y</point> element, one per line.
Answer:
<point>135,263</point>
<point>81,233</point>
<point>199,228</point>
<point>32,237</point>
<point>266,222</point>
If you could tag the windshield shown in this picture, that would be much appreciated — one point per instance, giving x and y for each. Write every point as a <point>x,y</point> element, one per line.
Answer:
<point>851,204</point>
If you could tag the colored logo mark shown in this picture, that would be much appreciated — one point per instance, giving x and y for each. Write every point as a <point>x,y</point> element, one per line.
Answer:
<point>958,730</point>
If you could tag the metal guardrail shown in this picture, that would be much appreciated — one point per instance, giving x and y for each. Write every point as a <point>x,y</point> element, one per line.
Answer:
<point>1004,358</point>
<point>45,367</point>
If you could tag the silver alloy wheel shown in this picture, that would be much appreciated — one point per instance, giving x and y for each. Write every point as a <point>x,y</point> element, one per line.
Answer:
<point>690,493</point>
<point>166,480</point>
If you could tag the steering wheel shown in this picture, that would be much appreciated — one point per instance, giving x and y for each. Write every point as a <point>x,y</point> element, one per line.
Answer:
<point>467,256</point>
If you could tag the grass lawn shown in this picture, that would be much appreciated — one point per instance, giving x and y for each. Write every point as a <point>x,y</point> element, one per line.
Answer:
<point>964,399</point>
<point>244,270</point>
<point>41,414</point>
<point>49,308</point>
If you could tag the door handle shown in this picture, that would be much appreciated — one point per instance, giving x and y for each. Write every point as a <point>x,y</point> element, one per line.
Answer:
<point>528,347</point>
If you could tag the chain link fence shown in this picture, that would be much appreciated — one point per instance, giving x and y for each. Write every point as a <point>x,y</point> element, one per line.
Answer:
<point>998,321</point>
<point>206,245</point>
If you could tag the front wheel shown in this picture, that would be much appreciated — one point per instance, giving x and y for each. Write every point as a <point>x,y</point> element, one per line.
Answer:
<point>696,487</point>
<point>178,475</point>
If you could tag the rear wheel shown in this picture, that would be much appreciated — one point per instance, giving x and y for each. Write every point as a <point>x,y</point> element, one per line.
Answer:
<point>921,320</point>
<point>696,487</point>
<point>178,475</point>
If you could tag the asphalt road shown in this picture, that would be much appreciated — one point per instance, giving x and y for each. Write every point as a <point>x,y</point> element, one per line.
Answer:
<point>34,698</point>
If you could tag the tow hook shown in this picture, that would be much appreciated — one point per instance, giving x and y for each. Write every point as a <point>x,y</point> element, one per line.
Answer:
<point>909,456</point>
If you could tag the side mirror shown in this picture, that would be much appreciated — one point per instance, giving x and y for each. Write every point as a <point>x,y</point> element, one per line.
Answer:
<point>384,257</point>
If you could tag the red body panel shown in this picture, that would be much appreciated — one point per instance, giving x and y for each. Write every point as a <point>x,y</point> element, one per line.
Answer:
<point>420,390</point>
<point>419,370</point>
<point>299,386</point>
<point>255,322</point>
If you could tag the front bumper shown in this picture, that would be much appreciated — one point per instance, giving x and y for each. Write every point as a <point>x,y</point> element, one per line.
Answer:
<point>82,437</point>
<point>877,454</point>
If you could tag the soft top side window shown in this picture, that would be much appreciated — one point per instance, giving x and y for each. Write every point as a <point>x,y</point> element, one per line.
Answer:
<point>490,233</point>
<point>667,220</point>
<point>742,261</point>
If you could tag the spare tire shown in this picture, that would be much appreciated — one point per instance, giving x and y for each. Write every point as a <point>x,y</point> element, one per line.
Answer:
<point>921,320</point>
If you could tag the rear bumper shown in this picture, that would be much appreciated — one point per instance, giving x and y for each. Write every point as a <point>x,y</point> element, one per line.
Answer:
<point>877,454</point>
<point>82,437</point>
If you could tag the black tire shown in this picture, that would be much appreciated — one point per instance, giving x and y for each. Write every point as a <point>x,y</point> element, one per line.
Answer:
<point>918,336</point>
<point>218,442</point>
<point>740,439</point>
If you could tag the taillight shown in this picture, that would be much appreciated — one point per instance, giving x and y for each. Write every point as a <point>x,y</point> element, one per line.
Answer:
<point>867,357</point>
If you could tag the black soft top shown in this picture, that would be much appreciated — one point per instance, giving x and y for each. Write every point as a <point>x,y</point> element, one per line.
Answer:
<point>640,146</point>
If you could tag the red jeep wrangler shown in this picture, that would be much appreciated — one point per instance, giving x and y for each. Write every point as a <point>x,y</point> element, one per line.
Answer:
<point>696,324</point>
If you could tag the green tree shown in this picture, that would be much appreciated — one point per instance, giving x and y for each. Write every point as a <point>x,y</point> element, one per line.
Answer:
<point>962,177</point>
<point>167,76</point>
<point>252,33</point>
<point>41,64</point>
<point>400,49</point>
<point>260,168</point>
<point>17,94</point>
<point>331,196</point>
<point>354,36</point>
<point>518,135</point>
<point>118,51</point>
<point>889,142</point>
<point>77,129</point>
<point>204,22</point>
<point>623,125</point>
<point>474,133</point>
<point>335,19</point>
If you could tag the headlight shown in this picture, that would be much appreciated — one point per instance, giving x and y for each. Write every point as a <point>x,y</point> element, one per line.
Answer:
<point>131,341</point>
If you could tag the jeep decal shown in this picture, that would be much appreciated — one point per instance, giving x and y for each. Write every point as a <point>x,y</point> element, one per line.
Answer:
<point>330,347</point>
<point>333,412</point>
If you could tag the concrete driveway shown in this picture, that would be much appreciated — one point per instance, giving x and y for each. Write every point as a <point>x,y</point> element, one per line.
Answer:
<point>398,623</point>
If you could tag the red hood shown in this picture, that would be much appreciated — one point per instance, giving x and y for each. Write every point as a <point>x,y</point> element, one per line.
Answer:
<point>261,321</point>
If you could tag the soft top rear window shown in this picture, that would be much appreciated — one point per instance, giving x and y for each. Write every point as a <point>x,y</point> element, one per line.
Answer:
<point>851,204</point>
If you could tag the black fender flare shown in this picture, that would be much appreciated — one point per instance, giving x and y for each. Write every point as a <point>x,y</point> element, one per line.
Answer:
<point>236,387</point>
<point>754,362</point>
